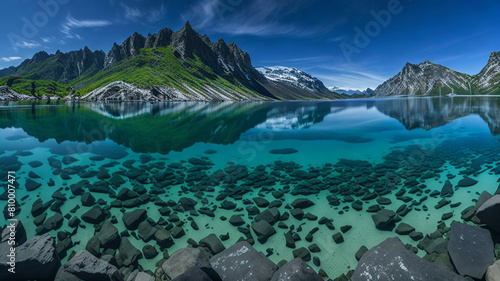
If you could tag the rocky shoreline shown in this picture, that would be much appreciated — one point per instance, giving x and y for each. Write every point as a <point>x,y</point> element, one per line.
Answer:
<point>120,91</point>
<point>165,211</point>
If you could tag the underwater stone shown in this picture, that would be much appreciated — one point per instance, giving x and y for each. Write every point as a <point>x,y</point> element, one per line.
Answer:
<point>384,219</point>
<point>283,151</point>
<point>94,215</point>
<point>134,218</point>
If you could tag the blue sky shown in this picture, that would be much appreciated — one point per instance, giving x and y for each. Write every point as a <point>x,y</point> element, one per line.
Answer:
<point>346,43</point>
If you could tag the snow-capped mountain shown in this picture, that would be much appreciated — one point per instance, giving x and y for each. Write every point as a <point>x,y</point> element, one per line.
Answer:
<point>295,81</point>
<point>292,76</point>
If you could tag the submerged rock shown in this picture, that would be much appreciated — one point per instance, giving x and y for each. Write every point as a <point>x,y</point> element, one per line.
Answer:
<point>385,219</point>
<point>283,151</point>
<point>390,260</point>
<point>471,249</point>
<point>182,260</point>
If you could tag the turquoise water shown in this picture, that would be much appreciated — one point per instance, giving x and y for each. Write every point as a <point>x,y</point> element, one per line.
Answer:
<point>317,150</point>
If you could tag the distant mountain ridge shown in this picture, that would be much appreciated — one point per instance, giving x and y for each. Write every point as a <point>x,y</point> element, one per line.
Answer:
<point>350,92</point>
<point>429,79</point>
<point>182,62</point>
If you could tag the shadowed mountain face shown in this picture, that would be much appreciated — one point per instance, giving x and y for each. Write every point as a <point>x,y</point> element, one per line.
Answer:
<point>165,127</point>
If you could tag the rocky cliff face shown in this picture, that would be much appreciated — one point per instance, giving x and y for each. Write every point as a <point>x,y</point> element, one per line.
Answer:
<point>433,79</point>
<point>224,59</point>
<point>424,79</point>
<point>489,77</point>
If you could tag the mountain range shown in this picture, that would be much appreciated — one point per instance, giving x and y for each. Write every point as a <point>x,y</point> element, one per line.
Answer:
<point>350,92</point>
<point>429,79</point>
<point>168,65</point>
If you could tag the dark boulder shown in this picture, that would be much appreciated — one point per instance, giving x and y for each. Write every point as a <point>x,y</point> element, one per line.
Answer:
<point>198,274</point>
<point>240,261</point>
<point>108,235</point>
<point>404,229</point>
<point>392,261</point>
<point>283,151</point>
<point>17,229</point>
<point>128,254</point>
<point>302,203</point>
<point>134,218</point>
<point>466,182</point>
<point>182,260</point>
<point>471,249</point>
<point>35,259</point>
<point>296,270</point>
<point>85,266</point>
<point>213,243</point>
<point>32,185</point>
<point>489,213</point>
<point>447,190</point>
<point>384,219</point>
<point>94,215</point>
<point>264,230</point>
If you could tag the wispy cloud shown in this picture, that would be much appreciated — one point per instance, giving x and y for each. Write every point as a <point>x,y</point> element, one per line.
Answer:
<point>149,14</point>
<point>258,18</point>
<point>9,59</point>
<point>71,23</point>
<point>26,44</point>
<point>350,76</point>
<point>301,59</point>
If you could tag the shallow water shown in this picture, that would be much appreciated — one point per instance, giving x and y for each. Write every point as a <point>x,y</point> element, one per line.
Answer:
<point>337,149</point>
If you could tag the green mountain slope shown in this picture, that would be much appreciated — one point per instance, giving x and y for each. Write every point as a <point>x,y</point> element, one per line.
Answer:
<point>160,66</point>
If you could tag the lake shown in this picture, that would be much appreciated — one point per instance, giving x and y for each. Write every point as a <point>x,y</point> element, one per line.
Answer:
<point>348,157</point>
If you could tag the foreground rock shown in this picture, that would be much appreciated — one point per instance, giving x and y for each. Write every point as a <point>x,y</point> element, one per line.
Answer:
<point>242,262</point>
<point>85,266</point>
<point>471,249</point>
<point>35,259</point>
<point>296,270</point>
<point>392,261</point>
<point>493,273</point>
<point>182,260</point>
